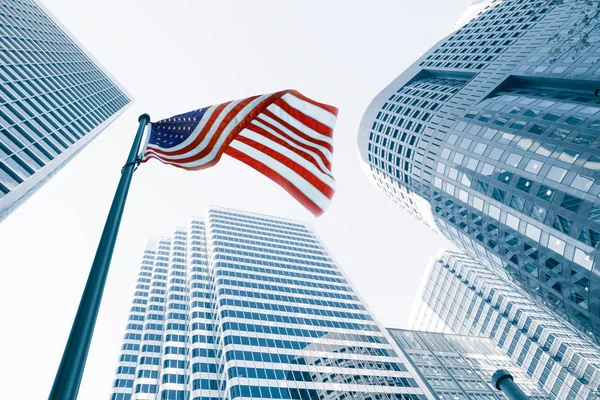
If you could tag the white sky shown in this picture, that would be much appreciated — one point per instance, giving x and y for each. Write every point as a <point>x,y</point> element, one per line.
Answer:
<point>174,59</point>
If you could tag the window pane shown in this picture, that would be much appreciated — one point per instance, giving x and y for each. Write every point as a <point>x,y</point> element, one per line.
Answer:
<point>571,203</point>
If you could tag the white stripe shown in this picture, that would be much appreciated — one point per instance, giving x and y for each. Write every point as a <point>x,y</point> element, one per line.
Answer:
<point>324,150</point>
<point>317,159</point>
<point>328,180</point>
<point>282,114</point>
<point>222,136</point>
<point>194,133</point>
<point>292,176</point>
<point>320,114</point>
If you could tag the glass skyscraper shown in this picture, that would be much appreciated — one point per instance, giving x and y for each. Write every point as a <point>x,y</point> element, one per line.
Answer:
<point>492,138</point>
<point>241,305</point>
<point>54,99</point>
<point>472,300</point>
<point>460,366</point>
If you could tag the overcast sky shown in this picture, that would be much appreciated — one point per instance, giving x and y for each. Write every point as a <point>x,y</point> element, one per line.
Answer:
<point>174,57</point>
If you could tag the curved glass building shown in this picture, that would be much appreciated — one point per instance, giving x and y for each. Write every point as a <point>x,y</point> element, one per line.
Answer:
<point>492,139</point>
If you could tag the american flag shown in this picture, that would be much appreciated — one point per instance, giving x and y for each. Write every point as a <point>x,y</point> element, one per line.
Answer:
<point>285,136</point>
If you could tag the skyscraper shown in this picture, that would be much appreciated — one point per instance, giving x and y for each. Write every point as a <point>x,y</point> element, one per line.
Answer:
<point>461,366</point>
<point>242,305</point>
<point>54,99</point>
<point>491,138</point>
<point>472,300</point>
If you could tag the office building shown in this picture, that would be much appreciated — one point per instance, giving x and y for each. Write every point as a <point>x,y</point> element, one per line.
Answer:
<point>492,138</point>
<point>461,367</point>
<point>473,300</point>
<point>241,305</point>
<point>54,99</point>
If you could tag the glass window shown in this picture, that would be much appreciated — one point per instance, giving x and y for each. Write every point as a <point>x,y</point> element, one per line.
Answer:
<point>478,203</point>
<point>487,170</point>
<point>560,134</point>
<point>533,233</point>
<point>556,244</point>
<point>482,187</point>
<point>593,163</point>
<point>496,153</point>
<point>524,184</point>
<point>545,149</point>
<point>465,143</point>
<point>513,159</point>
<point>594,214</point>
<point>556,174</point>
<point>472,164</point>
<point>494,212</point>
<point>551,117</point>
<point>585,139</point>
<point>534,166</point>
<point>512,221</point>
<point>480,148</point>
<point>537,129</point>
<point>505,176</point>
<point>583,259</point>
<point>582,182</point>
<point>546,193</point>
<point>458,158</point>
<point>589,237</point>
<point>569,156</point>
<point>517,203</point>
<point>571,203</point>
<point>524,144</point>
<point>466,180</point>
<point>562,224</point>
<point>498,194</point>
<point>573,121</point>
<point>538,213</point>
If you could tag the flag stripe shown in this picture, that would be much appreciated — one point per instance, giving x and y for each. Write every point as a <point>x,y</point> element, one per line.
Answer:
<point>306,175</point>
<point>333,110</point>
<point>280,124</point>
<point>305,152</point>
<point>306,119</point>
<point>279,149</point>
<point>281,174</point>
<point>306,107</point>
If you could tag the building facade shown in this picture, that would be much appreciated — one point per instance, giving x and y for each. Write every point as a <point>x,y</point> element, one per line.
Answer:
<point>54,99</point>
<point>460,366</point>
<point>492,138</point>
<point>472,300</point>
<point>240,305</point>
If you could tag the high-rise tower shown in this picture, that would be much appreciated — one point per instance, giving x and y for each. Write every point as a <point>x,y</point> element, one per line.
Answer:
<point>492,138</point>
<point>472,300</point>
<point>461,366</point>
<point>54,99</point>
<point>241,305</point>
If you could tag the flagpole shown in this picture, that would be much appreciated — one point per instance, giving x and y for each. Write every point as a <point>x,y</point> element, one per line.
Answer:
<point>68,378</point>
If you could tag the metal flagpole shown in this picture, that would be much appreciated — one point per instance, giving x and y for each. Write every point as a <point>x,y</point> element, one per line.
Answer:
<point>68,378</point>
<point>503,380</point>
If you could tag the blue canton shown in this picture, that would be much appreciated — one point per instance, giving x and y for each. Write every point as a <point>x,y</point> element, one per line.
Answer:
<point>173,131</point>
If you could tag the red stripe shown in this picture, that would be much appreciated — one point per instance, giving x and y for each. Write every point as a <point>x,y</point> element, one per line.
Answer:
<point>327,107</point>
<point>305,119</point>
<point>299,169</point>
<point>303,154</point>
<point>318,142</point>
<point>277,178</point>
